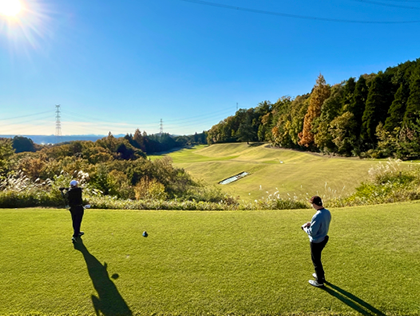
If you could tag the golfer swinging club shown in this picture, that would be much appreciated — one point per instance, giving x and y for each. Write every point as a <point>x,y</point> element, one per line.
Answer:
<point>74,198</point>
<point>317,230</point>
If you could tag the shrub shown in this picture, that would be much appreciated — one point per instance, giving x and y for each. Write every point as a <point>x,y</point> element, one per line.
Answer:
<point>388,183</point>
<point>149,189</point>
<point>17,190</point>
<point>275,202</point>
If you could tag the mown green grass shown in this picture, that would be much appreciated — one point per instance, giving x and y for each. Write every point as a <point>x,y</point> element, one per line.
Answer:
<point>272,170</point>
<point>194,263</point>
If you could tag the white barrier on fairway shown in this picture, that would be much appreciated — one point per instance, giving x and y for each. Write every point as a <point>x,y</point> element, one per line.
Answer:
<point>234,178</point>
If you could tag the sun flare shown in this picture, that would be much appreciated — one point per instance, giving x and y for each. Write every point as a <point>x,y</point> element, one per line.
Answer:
<point>10,7</point>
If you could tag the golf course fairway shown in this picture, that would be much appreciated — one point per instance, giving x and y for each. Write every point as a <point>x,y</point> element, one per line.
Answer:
<point>272,170</point>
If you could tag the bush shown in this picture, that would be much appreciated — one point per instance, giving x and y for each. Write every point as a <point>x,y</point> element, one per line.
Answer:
<point>149,189</point>
<point>388,183</point>
<point>17,190</point>
<point>275,202</point>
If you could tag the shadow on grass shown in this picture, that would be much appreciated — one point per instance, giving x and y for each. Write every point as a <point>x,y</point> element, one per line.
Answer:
<point>109,301</point>
<point>255,144</point>
<point>351,300</point>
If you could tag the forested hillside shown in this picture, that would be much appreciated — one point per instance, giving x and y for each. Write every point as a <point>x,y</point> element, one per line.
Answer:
<point>376,115</point>
<point>30,174</point>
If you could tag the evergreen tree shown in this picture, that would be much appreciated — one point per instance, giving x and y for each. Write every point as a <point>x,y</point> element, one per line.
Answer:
<point>21,144</point>
<point>374,111</point>
<point>138,139</point>
<point>413,102</point>
<point>397,108</point>
<point>358,103</point>
<point>125,151</point>
<point>203,137</point>
<point>246,132</point>
<point>348,92</point>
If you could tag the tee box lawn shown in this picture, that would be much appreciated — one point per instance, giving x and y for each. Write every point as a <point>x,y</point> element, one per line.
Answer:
<point>216,263</point>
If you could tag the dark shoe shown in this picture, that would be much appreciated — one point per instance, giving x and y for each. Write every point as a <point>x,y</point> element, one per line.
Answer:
<point>81,234</point>
<point>315,283</point>
<point>73,239</point>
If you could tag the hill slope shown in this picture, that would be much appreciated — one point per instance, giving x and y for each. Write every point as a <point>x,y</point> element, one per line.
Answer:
<point>272,170</point>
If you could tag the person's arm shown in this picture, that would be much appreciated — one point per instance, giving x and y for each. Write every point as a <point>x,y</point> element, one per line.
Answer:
<point>66,198</point>
<point>314,226</point>
<point>306,225</point>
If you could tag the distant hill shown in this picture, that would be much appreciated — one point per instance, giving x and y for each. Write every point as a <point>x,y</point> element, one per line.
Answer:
<point>52,139</point>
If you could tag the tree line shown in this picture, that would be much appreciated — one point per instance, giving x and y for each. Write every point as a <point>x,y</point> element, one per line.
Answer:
<point>377,115</point>
<point>148,144</point>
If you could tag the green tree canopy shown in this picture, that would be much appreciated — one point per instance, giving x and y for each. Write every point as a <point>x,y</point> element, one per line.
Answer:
<point>21,144</point>
<point>6,151</point>
<point>413,102</point>
<point>397,108</point>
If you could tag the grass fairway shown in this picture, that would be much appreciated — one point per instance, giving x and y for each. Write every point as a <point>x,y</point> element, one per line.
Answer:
<point>272,169</point>
<point>194,263</point>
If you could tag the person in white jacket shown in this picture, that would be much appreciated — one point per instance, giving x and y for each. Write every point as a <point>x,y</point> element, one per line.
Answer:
<point>317,230</point>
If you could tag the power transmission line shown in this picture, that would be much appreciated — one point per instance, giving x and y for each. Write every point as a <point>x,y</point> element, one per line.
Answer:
<point>388,4</point>
<point>41,120</point>
<point>172,122</point>
<point>402,1</point>
<point>93,124</point>
<point>295,16</point>
<point>204,115</point>
<point>28,115</point>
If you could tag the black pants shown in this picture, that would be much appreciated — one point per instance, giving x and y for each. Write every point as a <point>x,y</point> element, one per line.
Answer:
<point>316,250</point>
<point>77,216</point>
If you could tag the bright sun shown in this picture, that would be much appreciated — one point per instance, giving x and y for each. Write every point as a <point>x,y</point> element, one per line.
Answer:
<point>10,7</point>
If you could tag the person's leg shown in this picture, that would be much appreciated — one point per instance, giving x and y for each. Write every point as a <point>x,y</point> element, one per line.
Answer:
<point>316,251</point>
<point>77,216</point>
<point>74,221</point>
<point>82,212</point>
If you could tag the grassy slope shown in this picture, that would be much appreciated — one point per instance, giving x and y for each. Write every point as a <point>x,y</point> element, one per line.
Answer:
<point>300,172</point>
<point>209,262</point>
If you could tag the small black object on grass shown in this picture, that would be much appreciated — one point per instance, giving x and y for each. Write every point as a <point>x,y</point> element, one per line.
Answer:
<point>145,234</point>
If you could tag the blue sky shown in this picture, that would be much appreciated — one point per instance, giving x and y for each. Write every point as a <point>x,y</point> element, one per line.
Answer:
<point>114,66</point>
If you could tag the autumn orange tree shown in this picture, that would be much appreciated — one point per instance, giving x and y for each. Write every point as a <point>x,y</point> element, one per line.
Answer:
<point>320,93</point>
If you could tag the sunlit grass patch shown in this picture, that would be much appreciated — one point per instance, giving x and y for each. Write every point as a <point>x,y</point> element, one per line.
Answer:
<point>289,171</point>
<point>194,263</point>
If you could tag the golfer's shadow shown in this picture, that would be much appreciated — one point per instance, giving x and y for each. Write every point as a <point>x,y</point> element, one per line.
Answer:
<point>351,300</point>
<point>109,301</point>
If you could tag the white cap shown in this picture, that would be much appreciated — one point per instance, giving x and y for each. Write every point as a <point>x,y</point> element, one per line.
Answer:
<point>73,183</point>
